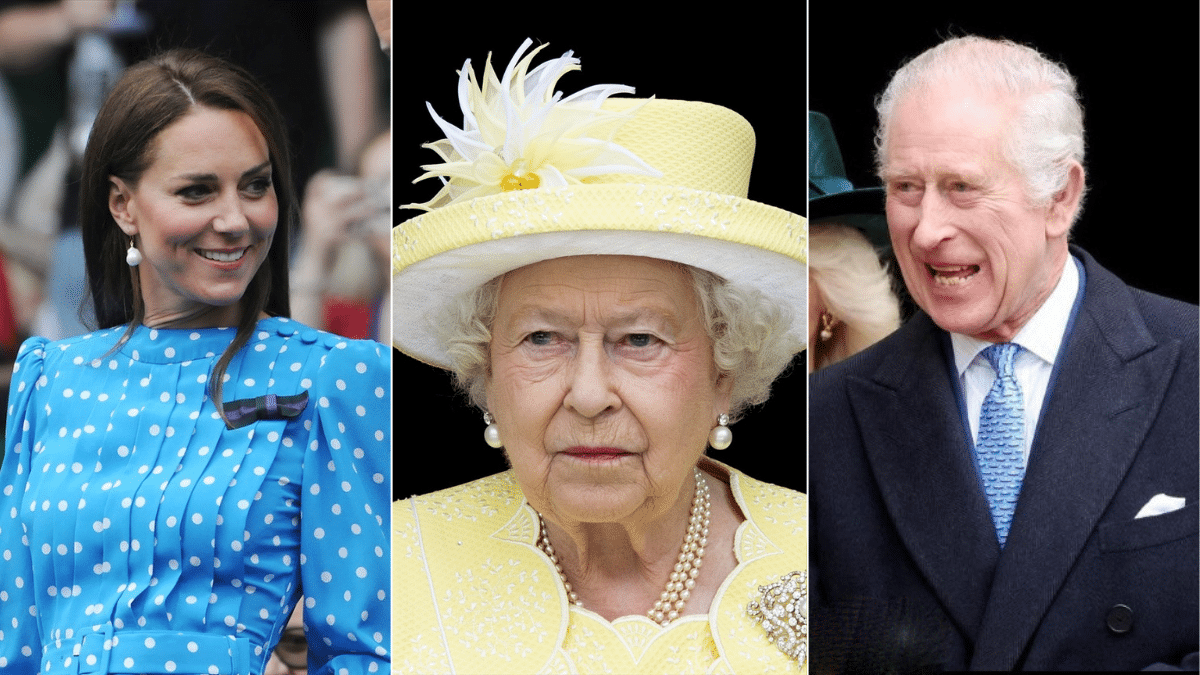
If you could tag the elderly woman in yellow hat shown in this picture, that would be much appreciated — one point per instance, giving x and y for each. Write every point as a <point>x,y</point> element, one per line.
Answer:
<point>594,276</point>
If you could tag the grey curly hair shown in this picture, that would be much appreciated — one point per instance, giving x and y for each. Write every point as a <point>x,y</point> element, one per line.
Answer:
<point>748,331</point>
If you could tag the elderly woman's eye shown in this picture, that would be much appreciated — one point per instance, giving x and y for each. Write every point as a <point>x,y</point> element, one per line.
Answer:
<point>640,339</point>
<point>540,338</point>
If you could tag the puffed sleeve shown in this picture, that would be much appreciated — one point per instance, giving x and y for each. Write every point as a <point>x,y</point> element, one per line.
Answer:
<point>20,635</point>
<point>344,518</point>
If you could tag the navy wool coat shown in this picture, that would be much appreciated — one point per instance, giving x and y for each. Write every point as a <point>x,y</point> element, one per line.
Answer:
<point>907,572</point>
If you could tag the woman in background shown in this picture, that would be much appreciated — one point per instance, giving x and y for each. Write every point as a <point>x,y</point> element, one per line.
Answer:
<point>851,302</point>
<point>851,305</point>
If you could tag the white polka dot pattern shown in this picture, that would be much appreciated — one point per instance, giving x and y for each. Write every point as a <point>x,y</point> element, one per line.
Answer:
<point>134,525</point>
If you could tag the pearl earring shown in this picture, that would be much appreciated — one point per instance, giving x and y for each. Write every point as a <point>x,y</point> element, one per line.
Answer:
<point>721,437</point>
<point>491,435</point>
<point>826,326</point>
<point>133,256</point>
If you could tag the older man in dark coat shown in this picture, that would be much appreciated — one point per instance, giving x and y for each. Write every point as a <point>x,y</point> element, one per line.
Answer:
<point>1010,480</point>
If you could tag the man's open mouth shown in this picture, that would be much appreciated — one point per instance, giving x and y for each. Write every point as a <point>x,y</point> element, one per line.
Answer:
<point>950,275</point>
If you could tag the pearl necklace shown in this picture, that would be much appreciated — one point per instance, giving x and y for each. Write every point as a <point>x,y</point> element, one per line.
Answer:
<point>683,576</point>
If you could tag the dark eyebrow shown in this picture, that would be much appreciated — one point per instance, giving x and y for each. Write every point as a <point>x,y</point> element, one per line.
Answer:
<point>265,167</point>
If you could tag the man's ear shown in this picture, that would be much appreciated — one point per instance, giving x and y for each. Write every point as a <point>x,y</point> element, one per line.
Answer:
<point>120,199</point>
<point>1065,203</point>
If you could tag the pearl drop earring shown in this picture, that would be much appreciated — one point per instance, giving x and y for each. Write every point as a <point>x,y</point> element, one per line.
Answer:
<point>721,437</point>
<point>133,257</point>
<point>491,435</point>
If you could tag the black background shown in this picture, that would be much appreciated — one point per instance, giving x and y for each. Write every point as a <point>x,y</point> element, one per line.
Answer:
<point>755,69</point>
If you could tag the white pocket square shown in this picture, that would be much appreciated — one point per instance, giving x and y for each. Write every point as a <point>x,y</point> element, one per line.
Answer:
<point>1160,504</point>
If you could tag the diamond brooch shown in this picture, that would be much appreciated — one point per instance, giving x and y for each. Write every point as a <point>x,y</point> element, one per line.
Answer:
<point>783,613</point>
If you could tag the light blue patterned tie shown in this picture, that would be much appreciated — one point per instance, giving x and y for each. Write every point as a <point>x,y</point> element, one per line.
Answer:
<point>999,450</point>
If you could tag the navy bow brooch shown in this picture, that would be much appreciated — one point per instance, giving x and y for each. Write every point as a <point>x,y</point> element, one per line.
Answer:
<point>245,411</point>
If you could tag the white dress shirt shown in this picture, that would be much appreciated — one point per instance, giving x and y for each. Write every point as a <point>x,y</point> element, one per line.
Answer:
<point>1039,338</point>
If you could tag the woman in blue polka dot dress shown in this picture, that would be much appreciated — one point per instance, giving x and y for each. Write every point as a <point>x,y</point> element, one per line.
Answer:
<point>174,481</point>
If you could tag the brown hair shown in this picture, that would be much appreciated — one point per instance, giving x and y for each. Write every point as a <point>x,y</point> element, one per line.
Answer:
<point>148,98</point>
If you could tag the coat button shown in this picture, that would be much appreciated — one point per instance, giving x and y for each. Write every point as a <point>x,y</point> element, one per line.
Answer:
<point>1120,619</point>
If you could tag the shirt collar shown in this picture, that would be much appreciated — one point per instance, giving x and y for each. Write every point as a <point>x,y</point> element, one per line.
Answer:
<point>1042,334</point>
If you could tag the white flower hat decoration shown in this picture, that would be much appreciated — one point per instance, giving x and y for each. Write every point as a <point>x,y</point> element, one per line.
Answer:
<point>518,133</point>
<point>532,175</point>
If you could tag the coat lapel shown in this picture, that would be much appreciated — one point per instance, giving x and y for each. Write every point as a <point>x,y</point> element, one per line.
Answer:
<point>1106,394</point>
<point>920,456</point>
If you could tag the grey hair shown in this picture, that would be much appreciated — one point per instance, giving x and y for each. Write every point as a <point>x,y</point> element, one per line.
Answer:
<point>1046,133</point>
<point>748,331</point>
<point>855,287</point>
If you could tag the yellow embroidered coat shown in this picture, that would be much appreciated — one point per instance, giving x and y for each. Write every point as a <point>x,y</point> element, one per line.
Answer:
<point>474,594</point>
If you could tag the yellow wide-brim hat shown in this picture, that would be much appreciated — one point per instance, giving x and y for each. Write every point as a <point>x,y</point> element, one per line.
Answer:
<point>686,203</point>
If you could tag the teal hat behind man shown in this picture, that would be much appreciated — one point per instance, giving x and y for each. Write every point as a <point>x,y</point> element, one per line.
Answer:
<point>831,195</point>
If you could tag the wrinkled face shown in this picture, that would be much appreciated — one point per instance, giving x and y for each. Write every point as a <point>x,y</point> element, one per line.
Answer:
<point>975,254</point>
<point>602,385</point>
<point>203,214</point>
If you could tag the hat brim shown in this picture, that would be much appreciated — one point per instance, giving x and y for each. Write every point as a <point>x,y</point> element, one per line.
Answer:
<point>449,251</point>
<point>864,208</point>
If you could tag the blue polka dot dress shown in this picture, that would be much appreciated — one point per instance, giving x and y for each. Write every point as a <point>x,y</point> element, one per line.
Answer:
<point>139,534</point>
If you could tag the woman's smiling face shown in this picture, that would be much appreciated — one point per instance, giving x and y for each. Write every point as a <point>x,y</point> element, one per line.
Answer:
<point>602,384</point>
<point>203,214</point>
